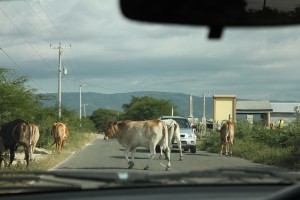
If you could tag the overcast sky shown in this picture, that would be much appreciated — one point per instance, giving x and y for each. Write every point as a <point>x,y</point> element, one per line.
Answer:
<point>112,55</point>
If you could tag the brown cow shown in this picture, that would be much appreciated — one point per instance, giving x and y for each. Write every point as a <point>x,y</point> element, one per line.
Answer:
<point>227,137</point>
<point>34,137</point>
<point>60,134</point>
<point>14,134</point>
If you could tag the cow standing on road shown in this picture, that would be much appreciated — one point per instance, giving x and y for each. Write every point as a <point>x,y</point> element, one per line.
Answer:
<point>14,134</point>
<point>133,134</point>
<point>227,137</point>
<point>173,134</point>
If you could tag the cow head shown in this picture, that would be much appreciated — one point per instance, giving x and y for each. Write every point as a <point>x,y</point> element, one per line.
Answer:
<point>110,130</point>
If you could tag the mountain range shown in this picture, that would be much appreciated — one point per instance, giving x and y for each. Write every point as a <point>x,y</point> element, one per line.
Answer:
<point>94,101</point>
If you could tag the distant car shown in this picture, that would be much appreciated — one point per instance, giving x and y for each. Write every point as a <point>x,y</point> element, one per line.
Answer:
<point>187,135</point>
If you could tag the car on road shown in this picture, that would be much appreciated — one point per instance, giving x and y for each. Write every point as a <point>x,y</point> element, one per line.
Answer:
<point>187,136</point>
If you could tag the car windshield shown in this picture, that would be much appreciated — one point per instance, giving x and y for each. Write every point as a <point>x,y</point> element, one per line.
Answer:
<point>80,83</point>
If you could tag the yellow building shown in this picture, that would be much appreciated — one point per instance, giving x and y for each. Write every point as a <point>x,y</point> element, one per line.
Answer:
<point>224,108</point>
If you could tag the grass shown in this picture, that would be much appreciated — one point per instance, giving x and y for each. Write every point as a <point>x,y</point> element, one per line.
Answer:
<point>257,152</point>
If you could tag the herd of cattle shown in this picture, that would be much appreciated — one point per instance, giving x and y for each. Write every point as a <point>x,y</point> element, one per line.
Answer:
<point>150,133</point>
<point>130,134</point>
<point>20,133</point>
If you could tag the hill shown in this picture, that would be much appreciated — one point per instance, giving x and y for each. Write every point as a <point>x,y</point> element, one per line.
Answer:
<point>95,101</point>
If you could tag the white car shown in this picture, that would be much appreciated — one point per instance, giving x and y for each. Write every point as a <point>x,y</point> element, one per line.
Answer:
<point>187,135</point>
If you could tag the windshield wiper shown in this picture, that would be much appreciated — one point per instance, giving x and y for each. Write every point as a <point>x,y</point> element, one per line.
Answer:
<point>64,180</point>
<point>232,175</point>
<point>76,180</point>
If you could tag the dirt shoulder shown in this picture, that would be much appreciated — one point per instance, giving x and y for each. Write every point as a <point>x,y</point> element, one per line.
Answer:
<point>46,158</point>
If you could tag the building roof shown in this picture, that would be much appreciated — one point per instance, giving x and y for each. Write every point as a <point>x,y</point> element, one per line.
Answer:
<point>283,107</point>
<point>253,107</point>
<point>224,96</point>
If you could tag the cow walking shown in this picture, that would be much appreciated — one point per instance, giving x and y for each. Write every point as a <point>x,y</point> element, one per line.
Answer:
<point>60,133</point>
<point>133,134</point>
<point>34,137</point>
<point>173,134</point>
<point>14,134</point>
<point>227,137</point>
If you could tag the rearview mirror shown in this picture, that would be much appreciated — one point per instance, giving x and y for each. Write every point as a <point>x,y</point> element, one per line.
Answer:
<point>216,14</point>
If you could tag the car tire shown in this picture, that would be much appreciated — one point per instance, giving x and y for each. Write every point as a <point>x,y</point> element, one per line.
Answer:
<point>193,149</point>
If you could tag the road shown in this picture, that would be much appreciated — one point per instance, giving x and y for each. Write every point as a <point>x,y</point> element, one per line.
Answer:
<point>108,156</point>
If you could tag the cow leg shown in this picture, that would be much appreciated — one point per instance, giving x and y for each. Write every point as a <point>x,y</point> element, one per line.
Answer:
<point>26,149</point>
<point>62,144</point>
<point>168,155</point>
<point>152,155</point>
<point>161,152</point>
<point>227,148</point>
<point>231,147</point>
<point>221,150</point>
<point>30,152</point>
<point>130,163</point>
<point>179,147</point>
<point>12,155</point>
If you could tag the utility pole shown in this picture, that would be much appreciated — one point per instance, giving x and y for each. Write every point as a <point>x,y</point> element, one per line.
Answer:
<point>60,51</point>
<point>204,121</point>
<point>84,105</point>
<point>80,105</point>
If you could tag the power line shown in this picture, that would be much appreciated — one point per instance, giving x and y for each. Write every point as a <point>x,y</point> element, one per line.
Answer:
<point>22,70</point>
<point>20,32</point>
<point>33,11</point>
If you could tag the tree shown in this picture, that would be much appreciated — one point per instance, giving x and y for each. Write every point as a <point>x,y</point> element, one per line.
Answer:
<point>142,108</point>
<point>17,100</point>
<point>101,117</point>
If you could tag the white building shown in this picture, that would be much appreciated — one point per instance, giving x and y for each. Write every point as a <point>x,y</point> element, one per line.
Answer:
<point>283,110</point>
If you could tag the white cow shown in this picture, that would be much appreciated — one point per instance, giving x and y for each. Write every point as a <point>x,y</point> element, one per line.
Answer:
<point>173,134</point>
<point>133,134</point>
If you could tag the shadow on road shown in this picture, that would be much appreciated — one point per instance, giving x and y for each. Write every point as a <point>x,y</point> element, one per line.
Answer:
<point>122,157</point>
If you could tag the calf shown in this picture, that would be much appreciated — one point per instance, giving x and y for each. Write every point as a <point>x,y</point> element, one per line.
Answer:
<point>133,134</point>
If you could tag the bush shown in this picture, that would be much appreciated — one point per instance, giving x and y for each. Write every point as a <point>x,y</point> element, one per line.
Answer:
<point>260,144</point>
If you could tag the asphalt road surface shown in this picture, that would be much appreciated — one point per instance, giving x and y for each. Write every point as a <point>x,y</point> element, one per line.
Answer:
<point>108,156</point>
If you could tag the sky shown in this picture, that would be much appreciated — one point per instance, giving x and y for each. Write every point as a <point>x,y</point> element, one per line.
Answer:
<point>111,54</point>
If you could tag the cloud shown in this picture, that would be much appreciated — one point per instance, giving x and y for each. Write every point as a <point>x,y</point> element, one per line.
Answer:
<point>112,54</point>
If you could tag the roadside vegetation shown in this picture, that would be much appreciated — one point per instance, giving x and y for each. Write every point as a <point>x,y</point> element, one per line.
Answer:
<point>279,147</point>
<point>17,101</point>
